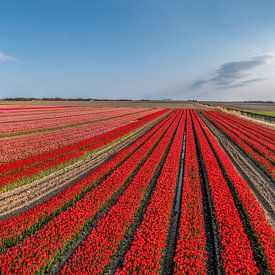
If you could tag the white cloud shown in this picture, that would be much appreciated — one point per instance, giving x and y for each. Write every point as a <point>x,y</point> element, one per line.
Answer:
<point>4,57</point>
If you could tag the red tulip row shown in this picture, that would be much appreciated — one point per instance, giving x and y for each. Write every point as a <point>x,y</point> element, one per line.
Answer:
<point>15,165</point>
<point>148,247</point>
<point>190,255</point>
<point>262,229</point>
<point>236,251</point>
<point>264,148</point>
<point>30,220</point>
<point>247,147</point>
<point>257,130</point>
<point>250,135</point>
<point>42,248</point>
<point>32,166</point>
<point>99,249</point>
<point>15,148</point>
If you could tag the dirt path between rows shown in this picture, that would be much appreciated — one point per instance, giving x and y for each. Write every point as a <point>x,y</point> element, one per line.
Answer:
<point>23,198</point>
<point>262,186</point>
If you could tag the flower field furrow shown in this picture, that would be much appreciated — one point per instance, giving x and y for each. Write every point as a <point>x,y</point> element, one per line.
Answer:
<point>28,114</point>
<point>251,141</point>
<point>260,131</point>
<point>18,127</point>
<point>33,166</point>
<point>250,135</point>
<point>260,226</point>
<point>253,130</point>
<point>147,249</point>
<point>16,148</point>
<point>46,244</point>
<point>19,164</point>
<point>29,221</point>
<point>261,160</point>
<point>190,255</point>
<point>93,190</point>
<point>48,115</point>
<point>98,250</point>
<point>236,251</point>
<point>19,107</point>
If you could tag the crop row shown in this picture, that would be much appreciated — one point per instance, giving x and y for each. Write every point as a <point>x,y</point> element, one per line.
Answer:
<point>258,130</point>
<point>31,220</point>
<point>190,255</point>
<point>254,215</point>
<point>263,157</point>
<point>22,113</point>
<point>18,107</point>
<point>249,136</point>
<point>42,248</point>
<point>24,169</point>
<point>98,251</point>
<point>22,147</point>
<point>235,248</point>
<point>32,116</point>
<point>147,249</point>
<point>120,216</point>
<point>45,124</point>
<point>61,127</point>
<point>264,145</point>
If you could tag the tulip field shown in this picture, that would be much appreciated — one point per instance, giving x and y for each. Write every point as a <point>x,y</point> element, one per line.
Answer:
<point>97,190</point>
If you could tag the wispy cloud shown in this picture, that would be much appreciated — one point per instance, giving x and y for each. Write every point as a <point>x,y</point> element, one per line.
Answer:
<point>4,57</point>
<point>234,74</point>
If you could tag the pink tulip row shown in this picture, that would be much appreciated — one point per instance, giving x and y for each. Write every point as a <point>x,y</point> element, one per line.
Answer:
<point>20,107</point>
<point>39,249</point>
<point>44,124</point>
<point>18,170</point>
<point>38,214</point>
<point>15,148</point>
<point>32,116</point>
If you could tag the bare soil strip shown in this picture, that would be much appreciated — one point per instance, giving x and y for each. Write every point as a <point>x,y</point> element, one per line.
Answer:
<point>261,185</point>
<point>23,198</point>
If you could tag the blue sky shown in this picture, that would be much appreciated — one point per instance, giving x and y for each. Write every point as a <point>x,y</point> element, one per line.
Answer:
<point>199,49</point>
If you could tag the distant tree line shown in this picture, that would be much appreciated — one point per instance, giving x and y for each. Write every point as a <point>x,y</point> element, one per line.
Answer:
<point>87,99</point>
<point>45,99</point>
<point>259,101</point>
<point>60,99</point>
